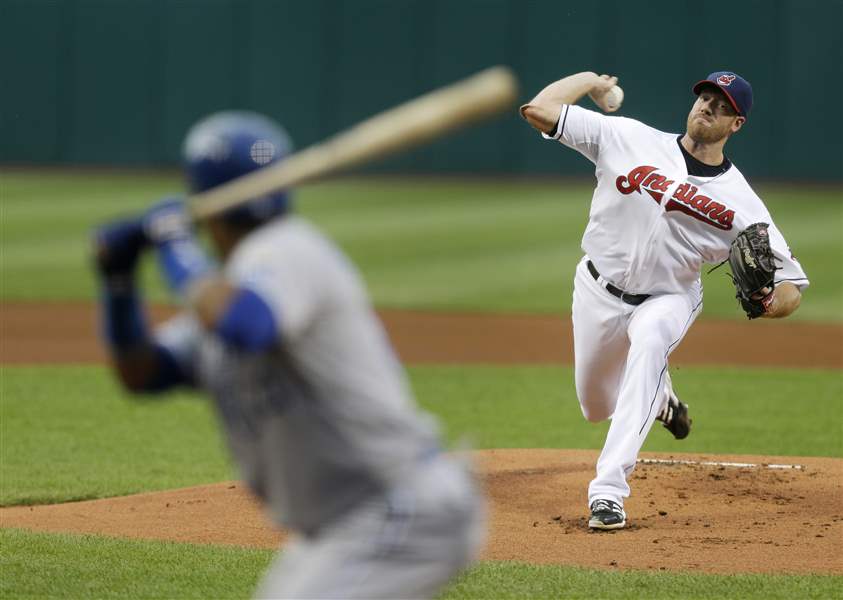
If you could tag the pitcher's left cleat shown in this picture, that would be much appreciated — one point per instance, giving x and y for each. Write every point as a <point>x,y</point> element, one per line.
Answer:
<point>674,415</point>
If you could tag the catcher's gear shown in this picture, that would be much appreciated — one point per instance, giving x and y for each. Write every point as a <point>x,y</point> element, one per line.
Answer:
<point>753,269</point>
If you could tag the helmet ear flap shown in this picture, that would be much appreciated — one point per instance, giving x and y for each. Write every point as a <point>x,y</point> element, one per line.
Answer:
<point>259,210</point>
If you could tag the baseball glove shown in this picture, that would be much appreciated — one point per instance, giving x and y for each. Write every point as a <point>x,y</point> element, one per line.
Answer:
<point>753,269</point>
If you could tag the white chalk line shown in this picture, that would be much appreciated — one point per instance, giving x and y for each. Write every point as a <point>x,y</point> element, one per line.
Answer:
<point>664,461</point>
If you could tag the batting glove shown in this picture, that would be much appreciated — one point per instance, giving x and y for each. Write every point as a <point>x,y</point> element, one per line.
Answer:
<point>180,257</point>
<point>117,246</point>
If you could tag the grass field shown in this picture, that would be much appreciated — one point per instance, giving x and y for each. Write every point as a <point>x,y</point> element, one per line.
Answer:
<point>68,433</point>
<point>92,567</point>
<point>434,244</point>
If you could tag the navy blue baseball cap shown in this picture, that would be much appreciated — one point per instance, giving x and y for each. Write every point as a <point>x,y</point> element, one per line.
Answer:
<point>736,88</point>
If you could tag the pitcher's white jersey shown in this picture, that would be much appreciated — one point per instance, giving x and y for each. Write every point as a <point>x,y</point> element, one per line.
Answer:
<point>651,224</point>
<point>325,419</point>
<point>656,216</point>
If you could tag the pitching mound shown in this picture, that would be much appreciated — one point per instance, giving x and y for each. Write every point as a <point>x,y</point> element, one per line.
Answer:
<point>684,514</point>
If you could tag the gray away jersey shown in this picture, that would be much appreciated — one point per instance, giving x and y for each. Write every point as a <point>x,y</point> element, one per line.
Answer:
<point>325,419</point>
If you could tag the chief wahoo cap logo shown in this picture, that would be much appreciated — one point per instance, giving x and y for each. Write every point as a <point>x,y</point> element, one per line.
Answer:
<point>726,79</point>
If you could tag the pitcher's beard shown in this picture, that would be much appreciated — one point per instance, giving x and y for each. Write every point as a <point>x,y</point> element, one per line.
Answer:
<point>704,135</point>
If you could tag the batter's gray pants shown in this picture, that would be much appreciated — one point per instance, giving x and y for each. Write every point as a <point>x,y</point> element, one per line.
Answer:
<point>405,545</point>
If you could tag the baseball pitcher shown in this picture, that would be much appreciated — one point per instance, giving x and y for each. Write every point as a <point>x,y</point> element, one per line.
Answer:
<point>312,398</point>
<point>664,204</point>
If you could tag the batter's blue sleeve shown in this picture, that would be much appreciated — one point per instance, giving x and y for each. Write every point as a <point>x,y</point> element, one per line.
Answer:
<point>182,262</point>
<point>248,323</point>
<point>180,256</point>
<point>125,330</point>
<point>123,323</point>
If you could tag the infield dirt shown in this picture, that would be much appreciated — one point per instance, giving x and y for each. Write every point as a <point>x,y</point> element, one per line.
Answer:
<point>709,518</point>
<point>61,333</point>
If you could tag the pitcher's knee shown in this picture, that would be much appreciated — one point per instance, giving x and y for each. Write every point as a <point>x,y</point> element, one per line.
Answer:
<point>595,407</point>
<point>596,415</point>
<point>650,347</point>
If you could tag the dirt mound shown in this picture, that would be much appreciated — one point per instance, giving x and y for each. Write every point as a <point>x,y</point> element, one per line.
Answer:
<point>716,518</point>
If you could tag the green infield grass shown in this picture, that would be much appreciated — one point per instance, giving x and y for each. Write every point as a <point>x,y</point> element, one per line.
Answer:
<point>68,433</point>
<point>514,581</point>
<point>75,566</point>
<point>427,243</point>
<point>39,565</point>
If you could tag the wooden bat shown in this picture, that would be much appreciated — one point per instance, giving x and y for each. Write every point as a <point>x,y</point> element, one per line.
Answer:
<point>407,125</point>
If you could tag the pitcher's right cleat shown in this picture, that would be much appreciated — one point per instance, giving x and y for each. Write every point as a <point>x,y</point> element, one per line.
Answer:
<point>606,514</point>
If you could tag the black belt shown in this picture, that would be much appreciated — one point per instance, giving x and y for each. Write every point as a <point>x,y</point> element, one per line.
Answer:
<point>633,299</point>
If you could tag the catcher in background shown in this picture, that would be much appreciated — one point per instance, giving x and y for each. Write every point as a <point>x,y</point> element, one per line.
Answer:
<point>314,402</point>
<point>664,204</point>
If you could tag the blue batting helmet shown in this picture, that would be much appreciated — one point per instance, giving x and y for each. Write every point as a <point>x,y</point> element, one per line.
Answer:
<point>228,144</point>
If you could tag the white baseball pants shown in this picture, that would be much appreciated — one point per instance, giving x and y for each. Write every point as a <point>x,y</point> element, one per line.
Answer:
<point>620,356</point>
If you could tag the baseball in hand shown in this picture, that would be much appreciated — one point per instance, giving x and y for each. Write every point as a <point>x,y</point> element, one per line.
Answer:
<point>614,98</point>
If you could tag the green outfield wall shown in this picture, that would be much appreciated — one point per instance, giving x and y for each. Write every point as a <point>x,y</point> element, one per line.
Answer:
<point>119,81</point>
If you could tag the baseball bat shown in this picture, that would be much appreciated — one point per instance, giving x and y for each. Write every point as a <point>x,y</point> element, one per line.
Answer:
<point>407,125</point>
